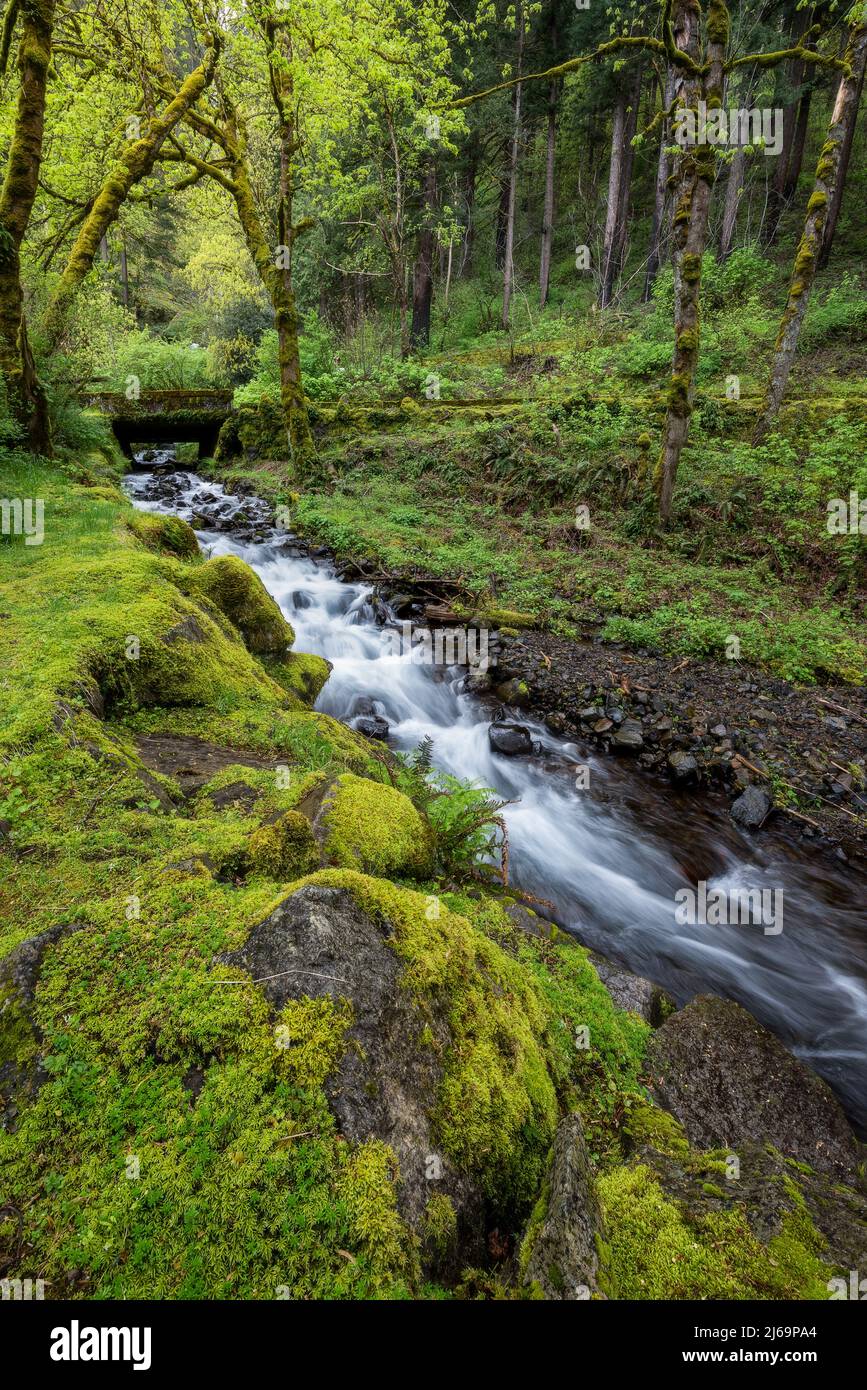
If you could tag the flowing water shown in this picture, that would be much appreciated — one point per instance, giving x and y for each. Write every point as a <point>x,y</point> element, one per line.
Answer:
<point>610,857</point>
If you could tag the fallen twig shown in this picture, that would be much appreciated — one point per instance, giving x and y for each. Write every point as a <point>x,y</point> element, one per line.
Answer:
<point>264,978</point>
<point>852,714</point>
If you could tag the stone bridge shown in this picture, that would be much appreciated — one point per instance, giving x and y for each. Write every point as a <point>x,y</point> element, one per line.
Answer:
<point>164,417</point>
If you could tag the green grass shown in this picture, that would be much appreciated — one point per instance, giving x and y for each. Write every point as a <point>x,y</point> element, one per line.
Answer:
<point>493,508</point>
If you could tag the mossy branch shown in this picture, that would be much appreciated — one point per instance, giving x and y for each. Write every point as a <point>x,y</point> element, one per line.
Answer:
<point>133,165</point>
<point>639,42</point>
<point>783,55</point>
<point>9,21</point>
<point>202,167</point>
<point>663,114</point>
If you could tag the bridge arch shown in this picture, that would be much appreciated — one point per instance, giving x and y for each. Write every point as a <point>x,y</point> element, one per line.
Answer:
<point>164,417</point>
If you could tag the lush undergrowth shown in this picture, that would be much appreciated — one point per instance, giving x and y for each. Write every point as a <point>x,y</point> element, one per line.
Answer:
<point>491,505</point>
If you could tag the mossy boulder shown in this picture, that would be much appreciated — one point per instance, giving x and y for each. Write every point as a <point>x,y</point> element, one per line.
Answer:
<point>167,535</point>
<point>240,595</point>
<point>285,849</point>
<point>365,825</point>
<point>682,1223</point>
<point>442,1056</point>
<point>301,674</point>
<point>514,692</point>
<point>169,650</point>
<point>729,1081</point>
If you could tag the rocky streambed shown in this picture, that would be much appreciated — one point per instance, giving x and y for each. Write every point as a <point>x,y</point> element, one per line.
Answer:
<point>603,844</point>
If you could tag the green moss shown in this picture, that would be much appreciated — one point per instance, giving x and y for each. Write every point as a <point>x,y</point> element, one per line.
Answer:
<point>679,394</point>
<point>499,617</point>
<point>376,829</point>
<point>647,1124</point>
<point>683,211</point>
<point>241,596</point>
<point>367,1188</point>
<point>718,23</point>
<point>690,267</point>
<point>310,1035</point>
<point>300,673</point>
<point>254,432</point>
<point>534,1226</point>
<point>18,1045</point>
<point>496,1109</point>
<point>687,340</point>
<point>284,850</point>
<point>164,534</point>
<point>439,1223</point>
<point>654,1249</point>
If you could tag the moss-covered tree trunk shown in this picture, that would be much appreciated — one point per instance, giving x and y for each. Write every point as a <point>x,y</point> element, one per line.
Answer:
<point>25,395</point>
<point>278,283</point>
<point>281,286</point>
<point>136,162</point>
<point>694,178</point>
<point>810,245</point>
<point>514,156</point>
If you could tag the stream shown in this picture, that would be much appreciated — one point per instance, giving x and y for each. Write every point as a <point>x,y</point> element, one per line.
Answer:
<point>611,856</point>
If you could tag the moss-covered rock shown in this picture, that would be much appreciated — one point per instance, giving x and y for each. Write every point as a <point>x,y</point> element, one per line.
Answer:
<point>238,592</point>
<point>446,1056</point>
<point>659,1248</point>
<point>285,849</point>
<point>164,534</point>
<point>365,825</point>
<point>559,1251</point>
<point>167,651</point>
<point>728,1080</point>
<point>301,673</point>
<point>21,1072</point>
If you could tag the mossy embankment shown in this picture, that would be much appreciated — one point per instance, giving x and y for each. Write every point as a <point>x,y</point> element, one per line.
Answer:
<point>545,512</point>
<point>165,1131</point>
